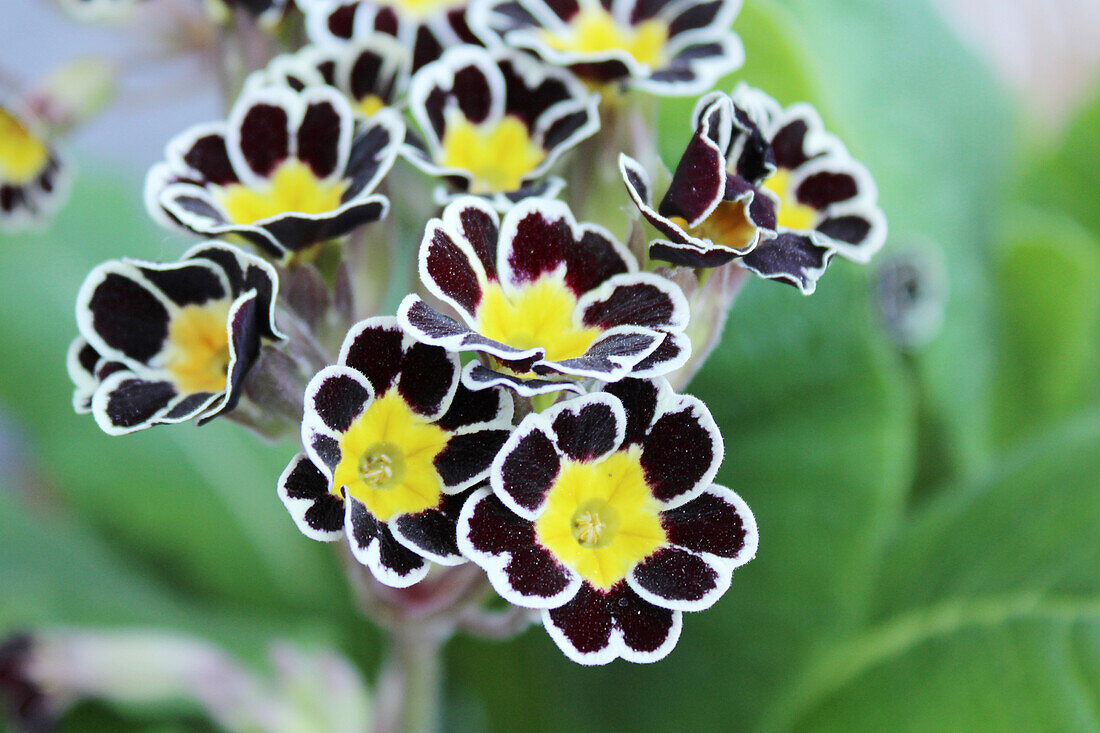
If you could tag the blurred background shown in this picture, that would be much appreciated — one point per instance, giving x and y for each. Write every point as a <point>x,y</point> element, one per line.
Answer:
<point>920,440</point>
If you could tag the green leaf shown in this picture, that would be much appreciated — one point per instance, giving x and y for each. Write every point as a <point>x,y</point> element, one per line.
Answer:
<point>989,608</point>
<point>932,127</point>
<point>194,506</point>
<point>1047,271</point>
<point>1066,178</point>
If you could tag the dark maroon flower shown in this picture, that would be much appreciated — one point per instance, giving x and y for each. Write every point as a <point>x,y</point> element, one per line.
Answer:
<point>602,514</point>
<point>551,301</point>
<point>765,187</point>
<point>168,342</point>
<point>393,443</point>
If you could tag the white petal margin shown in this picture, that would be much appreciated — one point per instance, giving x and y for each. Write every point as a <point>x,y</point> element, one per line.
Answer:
<point>668,401</point>
<point>371,554</point>
<point>447,560</point>
<point>313,425</point>
<point>450,226</point>
<point>681,312</point>
<point>476,376</point>
<point>617,647</point>
<point>494,565</point>
<point>85,382</point>
<point>682,343</point>
<point>298,507</point>
<point>722,566</point>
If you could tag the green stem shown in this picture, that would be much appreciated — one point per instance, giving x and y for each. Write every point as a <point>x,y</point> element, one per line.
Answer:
<point>410,687</point>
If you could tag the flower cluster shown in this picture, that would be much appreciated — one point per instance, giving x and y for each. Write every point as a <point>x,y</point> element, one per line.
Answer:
<point>521,412</point>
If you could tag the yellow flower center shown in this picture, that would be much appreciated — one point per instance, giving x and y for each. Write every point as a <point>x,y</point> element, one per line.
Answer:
<point>198,347</point>
<point>498,157</point>
<point>727,225</point>
<point>386,461</point>
<point>593,30</point>
<point>792,214</point>
<point>601,518</point>
<point>423,8</point>
<point>540,314</point>
<point>22,155</point>
<point>292,187</point>
<point>368,105</point>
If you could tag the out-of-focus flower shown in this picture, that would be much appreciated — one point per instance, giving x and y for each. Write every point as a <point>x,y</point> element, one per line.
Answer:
<point>73,93</point>
<point>765,186</point>
<point>550,300</point>
<point>287,170</point>
<point>496,121</point>
<point>666,47</point>
<point>392,444</point>
<point>602,513</point>
<point>267,12</point>
<point>33,176</point>
<point>425,28</point>
<point>371,73</point>
<point>100,10</point>
<point>167,342</point>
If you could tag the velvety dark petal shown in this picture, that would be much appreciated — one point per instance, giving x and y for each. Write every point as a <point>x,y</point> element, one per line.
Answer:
<point>474,406</point>
<point>375,349</point>
<point>466,458</point>
<point>543,239</point>
<point>789,143</point>
<point>681,451</point>
<point>678,576</point>
<point>689,256</point>
<point>244,345</point>
<point>319,138</point>
<point>595,628</point>
<point>480,229</point>
<point>188,407</point>
<point>337,398</point>
<point>373,545</point>
<point>588,427</point>
<point>649,303</point>
<point>505,545</point>
<point>613,354</point>
<point>824,188</point>
<point>527,467</point>
<point>564,9</point>
<point>435,328</point>
<point>186,284</point>
<point>851,229</point>
<point>304,491</point>
<point>473,93</point>
<point>294,232</point>
<point>433,531</point>
<point>699,182</point>
<point>126,315</point>
<point>451,271</point>
<point>716,523</point>
<point>639,400</point>
<point>695,16</point>
<point>526,101</point>
<point>791,258</point>
<point>673,353</point>
<point>189,203</point>
<point>326,449</point>
<point>428,378</point>
<point>372,152</point>
<point>209,156</point>
<point>133,402</point>
<point>480,377</point>
<point>264,138</point>
<point>426,48</point>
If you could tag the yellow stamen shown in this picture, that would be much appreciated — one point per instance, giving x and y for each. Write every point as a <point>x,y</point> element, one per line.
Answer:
<point>540,314</point>
<point>423,8</point>
<point>387,456</point>
<point>292,188</point>
<point>601,518</point>
<point>368,105</point>
<point>727,225</point>
<point>497,157</point>
<point>198,347</point>
<point>792,213</point>
<point>22,155</point>
<point>593,30</point>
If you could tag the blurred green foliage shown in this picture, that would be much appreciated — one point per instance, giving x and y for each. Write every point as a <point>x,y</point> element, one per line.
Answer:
<point>928,515</point>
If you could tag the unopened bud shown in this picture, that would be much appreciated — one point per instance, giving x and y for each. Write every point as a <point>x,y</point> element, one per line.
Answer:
<point>73,93</point>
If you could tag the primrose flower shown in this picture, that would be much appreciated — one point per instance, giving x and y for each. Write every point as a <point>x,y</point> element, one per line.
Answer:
<point>370,73</point>
<point>496,121</point>
<point>165,343</point>
<point>425,28</point>
<point>550,300</point>
<point>603,515</point>
<point>33,178</point>
<point>666,47</point>
<point>288,170</point>
<point>392,444</point>
<point>99,10</point>
<point>765,186</point>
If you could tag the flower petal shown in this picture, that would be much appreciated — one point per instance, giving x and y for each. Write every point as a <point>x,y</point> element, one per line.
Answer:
<point>372,544</point>
<point>790,258</point>
<point>505,546</point>
<point>587,428</point>
<point>682,449</point>
<point>432,533</point>
<point>717,523</point>
<point>304,491</point>
<point>336,396</point>
<point>526,467</point>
